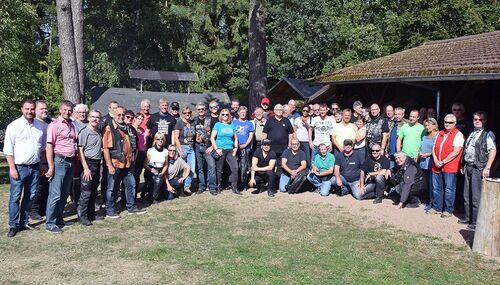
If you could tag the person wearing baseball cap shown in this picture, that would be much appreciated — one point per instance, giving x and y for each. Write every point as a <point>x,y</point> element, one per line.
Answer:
<point>348,170</point>
<point>174,110</point>
<point>262,170</point>
<point>265,103</point>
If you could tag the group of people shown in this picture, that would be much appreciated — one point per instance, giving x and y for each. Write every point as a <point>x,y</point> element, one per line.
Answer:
<point>320,148</point>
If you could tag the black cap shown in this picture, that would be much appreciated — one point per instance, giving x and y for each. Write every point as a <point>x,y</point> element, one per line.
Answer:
<point>266,142</point>
<point>348,141</point>
<point>174,105</point>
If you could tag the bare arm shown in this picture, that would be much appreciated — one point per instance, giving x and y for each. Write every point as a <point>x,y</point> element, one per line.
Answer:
<point>12,167</point>
<point>49,152</point>
<point>491,158</point>
<point>385,136</point>
<point>452,155</point>
<point>177,142</point>
<point>399,143</point>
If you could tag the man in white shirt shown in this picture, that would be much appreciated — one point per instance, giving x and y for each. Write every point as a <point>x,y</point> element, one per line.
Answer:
<point>24,143</point>
<point>322,127</point>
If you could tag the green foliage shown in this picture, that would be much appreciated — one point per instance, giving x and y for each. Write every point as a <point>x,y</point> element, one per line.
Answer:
<point>18,63</point>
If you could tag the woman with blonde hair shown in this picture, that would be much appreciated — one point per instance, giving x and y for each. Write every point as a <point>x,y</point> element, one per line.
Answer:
<point>155,166</point>
<point>425,153</point>
<point>225,143</point>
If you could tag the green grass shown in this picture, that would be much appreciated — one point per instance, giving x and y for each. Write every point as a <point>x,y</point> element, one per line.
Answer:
<point>238,240</point>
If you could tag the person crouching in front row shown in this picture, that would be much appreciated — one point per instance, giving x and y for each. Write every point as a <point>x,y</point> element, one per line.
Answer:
<point>262,170</point>
<point>155,166</point>
<point>374,173</point>
<point>321,175</point>
<point>407,179</point>
<point>293,162</point>
<point>178,171</point>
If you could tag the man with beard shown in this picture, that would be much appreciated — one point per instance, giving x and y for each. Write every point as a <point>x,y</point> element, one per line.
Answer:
<point>374,173</point>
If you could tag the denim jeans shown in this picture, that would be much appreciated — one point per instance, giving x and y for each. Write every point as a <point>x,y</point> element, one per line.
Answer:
<point>127,177</point>
<point>304,146</point>
<point>27,186</point>
<point>243,162</point>
<point>203,157</point>
<point>374,188</point>
<point>191,161</point>
<point>314,151</point>
<point>174,182</point>
<point>324,183</point>
<point>284,179</point>
<point>350,186</point>
<point>58,191</point>
<point>444,184</point>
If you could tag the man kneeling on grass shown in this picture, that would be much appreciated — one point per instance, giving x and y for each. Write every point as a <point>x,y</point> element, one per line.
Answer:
<point>321,175</point>
<point>407,180</point>
<point>293,162</point>
<point>262,170</point>
<point>374,173</point>
<point>178,171</point>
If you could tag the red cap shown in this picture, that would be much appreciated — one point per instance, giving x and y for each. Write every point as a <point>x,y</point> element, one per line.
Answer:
<point>265,101</point>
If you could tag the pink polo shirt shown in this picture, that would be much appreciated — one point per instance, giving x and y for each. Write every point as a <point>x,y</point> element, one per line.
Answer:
<point>62,135</point>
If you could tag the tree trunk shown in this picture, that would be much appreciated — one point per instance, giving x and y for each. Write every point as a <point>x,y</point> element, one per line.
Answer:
<point>68,54</point>
<point>77,15</point>
<point>257,62</point>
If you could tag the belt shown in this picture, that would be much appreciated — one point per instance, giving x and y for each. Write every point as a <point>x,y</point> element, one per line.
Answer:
<point>67,158</point>
<point>34,165</point>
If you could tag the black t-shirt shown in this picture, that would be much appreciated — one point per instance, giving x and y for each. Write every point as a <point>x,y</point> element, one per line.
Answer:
<point>213,120</point>
<point>372,165</point>
<point>162,123</point>
<point>203,130</point>
<point>350,166</point>
<point>375,128</point>
<point>293,160</point>
<point>261,160</point>
<point>277,132</point>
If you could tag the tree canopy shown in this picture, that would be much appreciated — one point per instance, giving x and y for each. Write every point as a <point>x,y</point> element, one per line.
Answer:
<point>304,38</point>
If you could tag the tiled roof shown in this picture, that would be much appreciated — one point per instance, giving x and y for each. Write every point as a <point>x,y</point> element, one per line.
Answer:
<point>470,56</point>
<point>285,86</point>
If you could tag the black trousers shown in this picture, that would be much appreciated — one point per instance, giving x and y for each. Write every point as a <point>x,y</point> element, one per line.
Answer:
<point>374,187</point>
<point>154,185</point>
<point>138,166</point>
<point>88,191</point>
<point>472,191</point>
<point>227,156</point>
<point>261,177</point>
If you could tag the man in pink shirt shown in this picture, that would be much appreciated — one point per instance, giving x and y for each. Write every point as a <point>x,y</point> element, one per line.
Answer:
<point>60,150</point>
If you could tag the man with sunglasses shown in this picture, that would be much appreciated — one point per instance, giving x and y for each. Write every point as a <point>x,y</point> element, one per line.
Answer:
<point>374,173</point>
<point>301,127</point>
<point>446,155</point>
<point>119,158</point>
<point>463,125</point>
<point>479,154</point>
<point>203,149</point>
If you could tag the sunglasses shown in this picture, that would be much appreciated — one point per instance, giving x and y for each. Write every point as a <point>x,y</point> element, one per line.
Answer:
<point>375,150</point>
<point>457,110</point>
<point>201,109</point>
<point>129,117</point>
<point>224,114</point>
<point>160,139</point>
<point>171,150</point>
<point>213,107</point>
<point>305,110</point>
<point>449,123</point>
<point>478,119</point>
<point>186,113</point>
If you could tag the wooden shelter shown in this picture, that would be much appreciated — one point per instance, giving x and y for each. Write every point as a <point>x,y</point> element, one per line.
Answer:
<point>437,73</point>
<point>291,88</point>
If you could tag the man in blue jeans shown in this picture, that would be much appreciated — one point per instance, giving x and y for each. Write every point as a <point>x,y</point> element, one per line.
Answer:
<point>203,151</point>
<point>321,175</point>
<point>61,150</point>
<point>348,170</point>
<point>118,154</point>
<point>24,143</point>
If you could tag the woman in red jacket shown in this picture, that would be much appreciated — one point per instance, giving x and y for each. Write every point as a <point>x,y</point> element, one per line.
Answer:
<point>446,153</point>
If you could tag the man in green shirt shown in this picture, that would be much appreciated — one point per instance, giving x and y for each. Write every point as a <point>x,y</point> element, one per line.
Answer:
<point>321,175</point>
<point>410,136</point>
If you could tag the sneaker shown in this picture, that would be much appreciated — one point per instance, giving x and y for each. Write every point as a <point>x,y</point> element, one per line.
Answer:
<point>54,230</point>
<point>446,215</point>
<point>214,193</point>
<point>236,191</point>
<point>377,201</point>
<point>12,232</point>
<point>29,227</point>
<point>463,222</point>
<point>471,227</point>
<point>112,215</point>
<point>270,193</point>
<point>432,211</point>
<point>86,223</point>
<point>97,218</point>
<point>65,224</point>
<point>35,217</point>
<point>136,211</point>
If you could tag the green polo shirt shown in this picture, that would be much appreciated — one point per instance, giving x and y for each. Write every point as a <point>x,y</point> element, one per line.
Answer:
<point>324,163</point>
<point>412,138</point>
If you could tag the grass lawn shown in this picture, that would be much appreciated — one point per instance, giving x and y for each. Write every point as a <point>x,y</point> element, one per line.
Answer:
<point>237,240</point>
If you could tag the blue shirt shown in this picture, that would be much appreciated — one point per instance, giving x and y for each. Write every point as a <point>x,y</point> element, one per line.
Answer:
<point>393,139</point>
<point>243,130</point>
<point>225,135</point>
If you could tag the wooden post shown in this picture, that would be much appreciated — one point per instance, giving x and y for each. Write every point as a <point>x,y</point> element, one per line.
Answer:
<point>487,235</point>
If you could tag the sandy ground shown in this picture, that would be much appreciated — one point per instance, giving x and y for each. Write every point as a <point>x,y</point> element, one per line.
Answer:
<point>413,220</point>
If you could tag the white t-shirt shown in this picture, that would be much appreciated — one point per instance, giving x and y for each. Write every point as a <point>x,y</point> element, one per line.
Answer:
<point>156,158</point>
<point>302,132</point>
<point>322,130</point>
